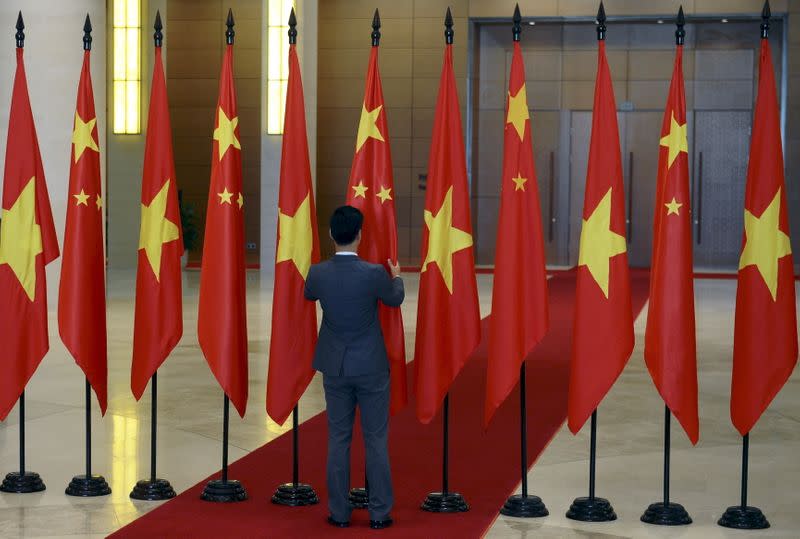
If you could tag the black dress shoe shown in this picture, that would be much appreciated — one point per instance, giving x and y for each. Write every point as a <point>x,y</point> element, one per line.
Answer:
<point>334,522</point>
<point>381,524</point>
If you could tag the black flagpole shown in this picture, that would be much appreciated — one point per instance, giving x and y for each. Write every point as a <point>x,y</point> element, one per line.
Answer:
<point>359,496</point>
<point>743,516</point>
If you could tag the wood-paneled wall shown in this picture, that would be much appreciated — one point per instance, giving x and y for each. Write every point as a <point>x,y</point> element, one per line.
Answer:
<point>195,41</point>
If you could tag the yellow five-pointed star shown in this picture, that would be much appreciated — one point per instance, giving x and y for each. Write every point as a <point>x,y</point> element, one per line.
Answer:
<point>225,196</point>
<point>675,140</point>
<point>599,243</point>
<point>367,125</point>
<point>225,134</point>
<point>81,198</point>
<point>519,182</point>
<point>240,200</point>
<point>295,240</point>
<point>360,190</point>
<point>156,229</point>
<point>82,136</point>
<point>765,243</point>
<point>518,111</point>
<point>384,194</point>
<point>99,202</point>
<point>444,239</point>
<point>21,238</point>
<point>673,207</point>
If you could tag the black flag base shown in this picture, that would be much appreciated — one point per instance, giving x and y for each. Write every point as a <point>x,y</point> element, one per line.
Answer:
<point>445,502</point>
<point>666,514</point>
<point>152,490</point>
<point>295,495</point>
<point>22,483</point>
<point>744,518</point>
<point>221,491</point>
<point>588,509</point>
<point>524,507</point>
<point>359,499</point>
<point>86,487</point>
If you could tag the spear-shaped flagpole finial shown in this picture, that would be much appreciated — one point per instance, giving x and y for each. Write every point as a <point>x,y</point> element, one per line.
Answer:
<point>448,27</point>
<point>20,35</point>
<point>158,36</point>
<point>516,29</point>
<point>229,33</point>
<point>292,28</point>
<point>680,33</point>
<point>765,15</point>
<point>376,29</point>
<point>87,34</point>
<point>601,23</point>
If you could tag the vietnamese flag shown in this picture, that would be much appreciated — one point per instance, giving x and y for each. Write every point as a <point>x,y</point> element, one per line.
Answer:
<point>82,292</point>
<point>765,331</point>
<point>371,190</point>
<point>158,320</point>
<point>222,315</point>
<point>294,319</point>
<point>448,315</point>
<point>669,348</point>
<point>27,244</point>
<point>519,317</point>
<point>602,339</point>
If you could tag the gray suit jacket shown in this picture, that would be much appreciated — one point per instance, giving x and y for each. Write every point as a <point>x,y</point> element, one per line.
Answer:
<point>350,338</point>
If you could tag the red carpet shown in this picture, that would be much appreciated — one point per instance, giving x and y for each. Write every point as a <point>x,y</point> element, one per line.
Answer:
<point>484,465</point>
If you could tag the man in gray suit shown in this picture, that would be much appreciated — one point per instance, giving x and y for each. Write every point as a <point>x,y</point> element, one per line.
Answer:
<point>352,358</point>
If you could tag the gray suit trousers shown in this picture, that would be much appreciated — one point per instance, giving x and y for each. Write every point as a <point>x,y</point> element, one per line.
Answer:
<point>371,393</point>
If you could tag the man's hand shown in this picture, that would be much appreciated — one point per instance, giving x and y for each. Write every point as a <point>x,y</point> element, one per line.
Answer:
<point>394,269</point>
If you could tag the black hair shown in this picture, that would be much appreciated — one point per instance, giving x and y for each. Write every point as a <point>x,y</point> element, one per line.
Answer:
<point>345,224</point>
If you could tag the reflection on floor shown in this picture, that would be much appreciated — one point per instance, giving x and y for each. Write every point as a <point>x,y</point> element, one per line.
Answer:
<point>705,478</point>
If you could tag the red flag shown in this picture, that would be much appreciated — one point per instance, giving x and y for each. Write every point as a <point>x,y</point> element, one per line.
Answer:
<point>294,319</point>
<point>602,339</point>
<point>519,299</point>
<point>448,316</point>
<point>82,292</point>
<point>158,320</point>
<point>765,335</point>
<point>222,317</point>
<point>669,348</point>
<point>371,190</point>
<point>27,244</point>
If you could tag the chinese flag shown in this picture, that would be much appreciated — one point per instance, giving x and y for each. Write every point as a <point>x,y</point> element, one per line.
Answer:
<point>669,348</point>
<point>519,300</point>
<point>602,339</point>
<point>294,319</point>
<point>82,293</point>
<point>27,244</point>
<point>371,190</point>
<point>158,320</point>
<point>765,332</point>
<point>222,317</point>
<point>448,316</point>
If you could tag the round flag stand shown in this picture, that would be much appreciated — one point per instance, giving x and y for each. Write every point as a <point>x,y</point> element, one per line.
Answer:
<point>445,501</point>
<point>88,485</point>
<point>153,489</point>
<point>743,516</point>
<point>22,482</point>
<point>592,508</point>
<point>224,490</point>
<point>523,505</point>
<point>666,513</point>
<point>295,494</point>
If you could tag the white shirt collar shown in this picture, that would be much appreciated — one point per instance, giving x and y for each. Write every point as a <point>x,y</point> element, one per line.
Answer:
<point>346,253</point>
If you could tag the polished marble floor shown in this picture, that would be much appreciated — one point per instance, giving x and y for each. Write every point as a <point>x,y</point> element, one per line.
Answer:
<point>705,478</point>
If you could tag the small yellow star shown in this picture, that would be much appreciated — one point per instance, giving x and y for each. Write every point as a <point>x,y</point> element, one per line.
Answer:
<point>225,196</point>
<point>673,207</point>
<point>518,111</point>
<point>225,134</point>
<point>675,140</point>
<point>384,194</point>
<point>240,201</point>
<point>367,125</point>
<point>519,182</point>
<point>99,202</point>
<point>360,189</point>
<point>82,136</point>
<point>81,198</point>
